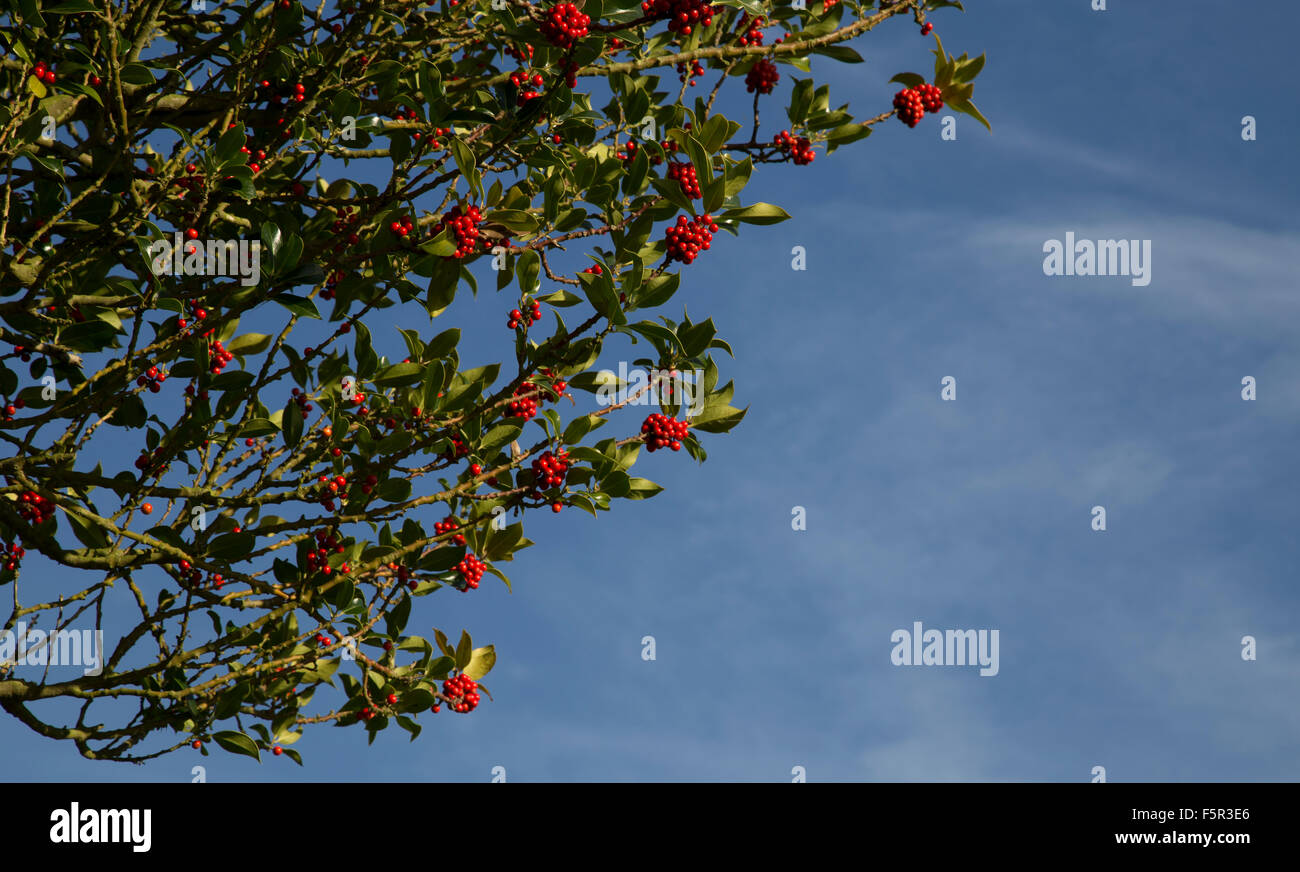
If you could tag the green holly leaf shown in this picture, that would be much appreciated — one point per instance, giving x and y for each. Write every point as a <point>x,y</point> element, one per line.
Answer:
<point>481,661</point>
<point>758,213</point>
<point>237,743</point>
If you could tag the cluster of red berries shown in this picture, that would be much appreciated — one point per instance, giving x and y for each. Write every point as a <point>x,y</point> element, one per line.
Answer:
<point>331,487</point>
<point>471,572</point>
<point>926,28</point>
<point>11,409</point>
<point>684,175</point>
<point>261,154</point>
<point>660,431</point>
<point>569,67</point>
<point>687,239</point>
<point>446,526</point>
<point>459,448</point>
<point>348,218</point>
<point>564,25</point>
<point>370,481</point>
<point>522,55</point>
<point>300,398</point>
<point>913,103</point>
<point>762,77</point>
<point>297,93</point>
<point>326,544</point>
<point>681,14</point>
<point>35,508</point>
<point>404,576</point>
<point>907,103</point>
<point>43,73</point>
<point>358,397</point>
<point>190,575</point>
<point>219,356</point>
<point>521,318</point>
<point>558,384</point>
<point>551,469</point>
<point>931,97</point>
<point>464,225</point>
<point>192,184</point>
<point>520,79</point>
<point>437,131</point>
<point>11,556</point>
<point>461,692</point>
<point>153,378</point>
<point>627,151</point>
<point>697,69</point>
<point>147,461</point>
<point>524,402</point>
<point>749,30</point>
<point>417,420</point>
<point>402,227</point>
<point>799,148</point>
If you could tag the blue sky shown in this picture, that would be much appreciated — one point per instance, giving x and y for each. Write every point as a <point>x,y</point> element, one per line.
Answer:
<point>1118,648</point>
